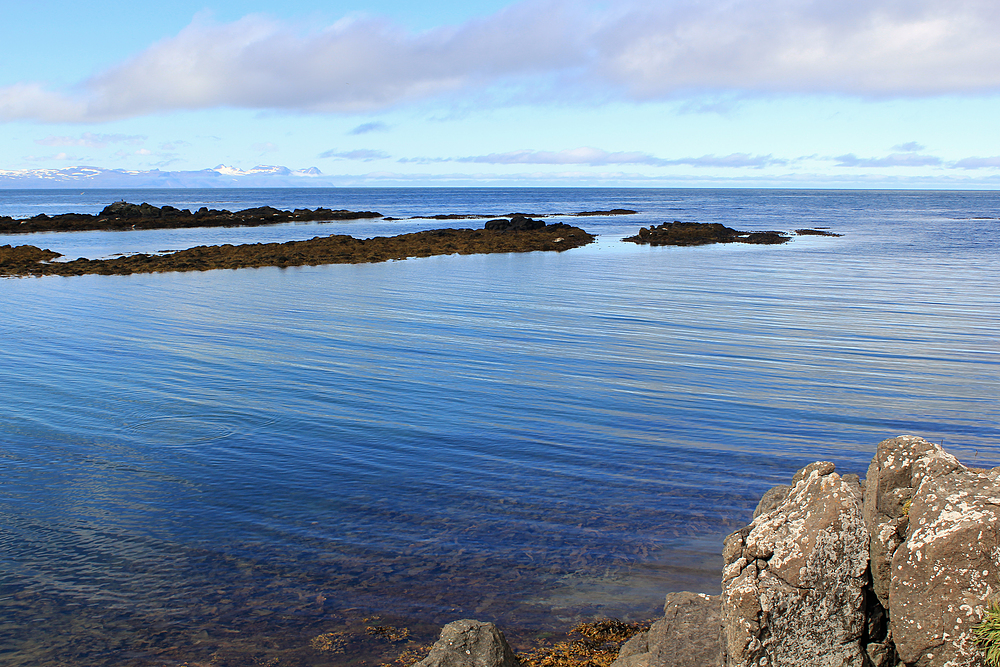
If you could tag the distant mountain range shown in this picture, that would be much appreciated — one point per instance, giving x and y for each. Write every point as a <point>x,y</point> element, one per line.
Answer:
<point>217,177</point>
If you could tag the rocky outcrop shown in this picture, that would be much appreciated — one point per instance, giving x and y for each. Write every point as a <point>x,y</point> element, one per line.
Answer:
<point>947,565</point>
<point>794,580</point>
<point>701,233</point>
<point>613,211</point>
<point>686,636</point>
<point>124,215</point>
<point>517,223</point>
<point>470,643</point>
<point>816,232</point>
<point>336,249</point>
<point>896,576</point>
<point>13,258</point>
<point>895,473</point>
<point>833,571</point>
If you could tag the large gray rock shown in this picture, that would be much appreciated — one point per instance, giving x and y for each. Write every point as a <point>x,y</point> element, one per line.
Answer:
<point>948,567</point>
<point>898,467</point>
<point>793,585</point>
<point>469,643</point>
<point>686,636</point>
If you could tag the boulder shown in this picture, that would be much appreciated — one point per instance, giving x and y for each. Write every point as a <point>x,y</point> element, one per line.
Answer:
<point>122,209</point>
<point>895,472</point>
<point>517,223</point>
<point>793,585</point>
<point>686,636</point>
<point>470,643</point>
<point>947,567</point>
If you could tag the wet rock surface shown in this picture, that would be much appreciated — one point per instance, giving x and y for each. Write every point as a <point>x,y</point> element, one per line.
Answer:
<point>702,233</point>
<point>337,249</point>
<point>123,215</point>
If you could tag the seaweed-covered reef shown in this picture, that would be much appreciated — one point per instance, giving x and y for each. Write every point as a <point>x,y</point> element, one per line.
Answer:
<point>702,233</point>
<point>28,260</point>
<point>122,215</point>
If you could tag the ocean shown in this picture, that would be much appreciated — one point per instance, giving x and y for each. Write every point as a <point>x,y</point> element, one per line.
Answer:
<point>265,466</point>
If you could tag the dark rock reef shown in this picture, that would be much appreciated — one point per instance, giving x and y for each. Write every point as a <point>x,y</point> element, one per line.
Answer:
<point>337,249</point>
<point>613,211</point>
<point>701,233</point>
<point>816,232</point>
<point>479,216</point>
<point>123,215</point>
<point>518,223</point>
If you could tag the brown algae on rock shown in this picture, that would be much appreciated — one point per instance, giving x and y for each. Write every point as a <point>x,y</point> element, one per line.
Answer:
<point>335,249</point>
<point>702,233</point>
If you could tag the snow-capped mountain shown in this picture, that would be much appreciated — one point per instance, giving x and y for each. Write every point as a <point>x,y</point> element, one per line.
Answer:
<point>218,177</point>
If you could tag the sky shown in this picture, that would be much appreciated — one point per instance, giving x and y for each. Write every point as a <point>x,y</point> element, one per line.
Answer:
<point>667,93</point>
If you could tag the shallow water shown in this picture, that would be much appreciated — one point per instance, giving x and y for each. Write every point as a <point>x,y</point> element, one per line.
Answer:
<point>219,467</point>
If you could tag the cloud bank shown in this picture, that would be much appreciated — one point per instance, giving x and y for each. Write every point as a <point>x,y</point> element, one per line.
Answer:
<point>362,154</point>
<point>547,50</point>
<point>271,176</point>
<point>596,157</point>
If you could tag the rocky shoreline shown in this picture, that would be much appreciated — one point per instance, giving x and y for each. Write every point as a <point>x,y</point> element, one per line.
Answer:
<point>834,571</point>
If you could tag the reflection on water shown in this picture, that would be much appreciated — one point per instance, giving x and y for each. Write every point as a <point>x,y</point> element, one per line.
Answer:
<point>237,467</point>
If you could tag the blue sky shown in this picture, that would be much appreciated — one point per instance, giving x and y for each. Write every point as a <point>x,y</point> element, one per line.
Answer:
<point>786,93</point>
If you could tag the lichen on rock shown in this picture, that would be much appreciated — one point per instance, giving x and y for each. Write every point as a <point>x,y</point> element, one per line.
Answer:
<point>469,643</point>
<point>947,569</point>
<point>793,585</point>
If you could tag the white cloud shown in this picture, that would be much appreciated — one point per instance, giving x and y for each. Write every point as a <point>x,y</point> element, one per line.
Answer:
<point>731,160</point>
<point>553,50</point>
<point>365,128</point>
<point>596,157</point>
<point>363,154</point>
<point>909,147</point>
<point>590,156</point>
<point>32,102</point>
<point>283,177</point>
<point>894,160</point>
<point>978,163</point>
<point>857,47</point>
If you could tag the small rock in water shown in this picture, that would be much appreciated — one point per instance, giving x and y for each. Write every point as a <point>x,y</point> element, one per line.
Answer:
<point>469,643</point>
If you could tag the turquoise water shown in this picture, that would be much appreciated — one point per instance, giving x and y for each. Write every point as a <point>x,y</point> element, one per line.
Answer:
<point>221,466</point>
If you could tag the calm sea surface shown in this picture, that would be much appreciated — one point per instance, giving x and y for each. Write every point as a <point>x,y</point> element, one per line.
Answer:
<point>247,467</point>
